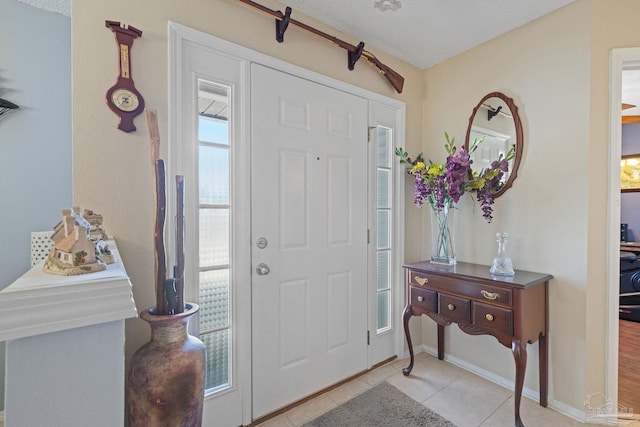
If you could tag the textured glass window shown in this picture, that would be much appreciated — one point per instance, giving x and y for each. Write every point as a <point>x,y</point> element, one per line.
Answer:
<point>213,175</point>
<point>383,269</point>
<point>214,198</point>
<point>218,349</point>
<point>214,299</point>
<point>214,237</point>
<point>383,154</point>
<point>383,228</point>
<point>384,198</point>
<point>384,192</point>
<point>383,310</point>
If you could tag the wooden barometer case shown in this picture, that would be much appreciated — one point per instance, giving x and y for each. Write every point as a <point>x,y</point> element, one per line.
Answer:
<point>123,98</point>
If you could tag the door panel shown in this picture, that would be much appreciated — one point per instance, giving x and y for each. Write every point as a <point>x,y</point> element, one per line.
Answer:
<point>309,201</point>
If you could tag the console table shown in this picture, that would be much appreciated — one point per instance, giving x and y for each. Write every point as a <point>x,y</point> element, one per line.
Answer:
<point>513,309</point>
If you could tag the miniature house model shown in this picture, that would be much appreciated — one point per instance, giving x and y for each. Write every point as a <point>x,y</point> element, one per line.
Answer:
<point>78,244</point>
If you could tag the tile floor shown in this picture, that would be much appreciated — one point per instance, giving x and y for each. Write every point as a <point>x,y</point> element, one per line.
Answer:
<point>464,398</point>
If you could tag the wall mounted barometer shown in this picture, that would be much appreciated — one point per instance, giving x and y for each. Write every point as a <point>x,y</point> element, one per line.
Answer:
<point>123,98</point>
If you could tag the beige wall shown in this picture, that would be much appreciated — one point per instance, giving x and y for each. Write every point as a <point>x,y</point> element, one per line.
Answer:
<point>111,169</point>
<point>614,25</point>
<point>556,69</point>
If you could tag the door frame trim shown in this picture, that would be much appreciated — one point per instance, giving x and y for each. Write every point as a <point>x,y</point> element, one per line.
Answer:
<point>179,35</point>
<point>619,59</point>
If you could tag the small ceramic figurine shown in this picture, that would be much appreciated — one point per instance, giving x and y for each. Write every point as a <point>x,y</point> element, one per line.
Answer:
<point>501,265</point>
<point>78,246</point>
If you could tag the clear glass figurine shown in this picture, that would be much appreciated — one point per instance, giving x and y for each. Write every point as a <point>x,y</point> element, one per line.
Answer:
<point>501,265</point>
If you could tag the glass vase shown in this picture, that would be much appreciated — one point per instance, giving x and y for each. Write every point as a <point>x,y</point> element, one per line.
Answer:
<point>501,265</point>
<point>442,237</point>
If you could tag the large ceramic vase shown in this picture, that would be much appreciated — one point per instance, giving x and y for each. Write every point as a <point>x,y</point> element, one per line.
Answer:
<point>165,386</point>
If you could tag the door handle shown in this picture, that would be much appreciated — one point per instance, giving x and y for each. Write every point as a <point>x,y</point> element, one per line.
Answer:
<point>262,269</point>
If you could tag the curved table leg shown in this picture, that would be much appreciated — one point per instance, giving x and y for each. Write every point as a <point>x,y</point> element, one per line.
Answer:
<point>519,350</point>
<point>405,321</point>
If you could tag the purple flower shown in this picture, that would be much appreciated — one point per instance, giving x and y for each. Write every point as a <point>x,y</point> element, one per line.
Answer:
<point>439,184</point>
<point>485,198</point>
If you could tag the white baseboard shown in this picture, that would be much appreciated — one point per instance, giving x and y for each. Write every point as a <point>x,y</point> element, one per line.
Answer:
<point>563,408</point>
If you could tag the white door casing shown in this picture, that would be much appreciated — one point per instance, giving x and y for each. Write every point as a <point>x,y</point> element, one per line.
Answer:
<point>194,54</point>
<point>309,201</point>
<point>619,60</point>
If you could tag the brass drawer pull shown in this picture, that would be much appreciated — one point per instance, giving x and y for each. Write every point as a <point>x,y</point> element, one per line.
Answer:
<point>420,298</point>
<point>421,280</point>
<point>490,295</point>
<point>451,307</point>
<point>489,317</point>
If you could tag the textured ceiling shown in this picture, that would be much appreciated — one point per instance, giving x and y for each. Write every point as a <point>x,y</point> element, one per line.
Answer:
<point>425,32</point>
<point>63,7</point>
<point>421,32</point>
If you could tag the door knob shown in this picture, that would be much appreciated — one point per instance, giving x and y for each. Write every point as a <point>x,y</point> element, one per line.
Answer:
<point>262,269</point>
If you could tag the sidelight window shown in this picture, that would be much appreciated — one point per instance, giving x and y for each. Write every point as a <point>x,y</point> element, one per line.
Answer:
<point>214,209</point>
<point>384,221</point>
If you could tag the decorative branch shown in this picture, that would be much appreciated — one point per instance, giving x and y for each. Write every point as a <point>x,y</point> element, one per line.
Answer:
<point>169,291</point>
<point>158,236</point>
<point>179,268</point>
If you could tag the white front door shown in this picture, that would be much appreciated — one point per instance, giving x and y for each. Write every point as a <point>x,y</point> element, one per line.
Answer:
<point>309,237</point>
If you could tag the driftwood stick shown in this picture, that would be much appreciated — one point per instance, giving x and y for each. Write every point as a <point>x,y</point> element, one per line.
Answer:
<point>179,270</point>
<point>158,237</point>
<point>157,166</point>
<point>154,134</point>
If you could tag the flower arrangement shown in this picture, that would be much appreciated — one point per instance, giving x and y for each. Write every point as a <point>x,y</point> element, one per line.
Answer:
<point>442,185</point>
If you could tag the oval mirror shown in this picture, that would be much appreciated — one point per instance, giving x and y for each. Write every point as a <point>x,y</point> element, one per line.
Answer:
<point>495,119</point>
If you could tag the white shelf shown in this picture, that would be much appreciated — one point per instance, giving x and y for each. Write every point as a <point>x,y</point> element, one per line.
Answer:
<point>40,303</point>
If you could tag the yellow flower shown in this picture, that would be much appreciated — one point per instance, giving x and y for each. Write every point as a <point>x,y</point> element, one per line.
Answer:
<point>476,184</point>
<point>417,167</point>
<point>436,169</point>
<point>491,173</point>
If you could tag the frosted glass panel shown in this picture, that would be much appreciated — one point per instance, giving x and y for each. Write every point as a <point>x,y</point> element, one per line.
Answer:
<point>214,299</point>
<point>213,131</point>
<point>383,229</point>
<point>384,181</point>
<point>383,310</point>
<point>214,175</point>
<point>217,344</point>
<point>383,149</point>
<point>214,237</point>
<point>383,269</point>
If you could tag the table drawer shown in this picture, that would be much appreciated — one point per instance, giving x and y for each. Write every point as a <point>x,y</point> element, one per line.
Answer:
<point>455,308</point>
<point>423,300</point>
<point>459,286</point>
<point>492,318</point>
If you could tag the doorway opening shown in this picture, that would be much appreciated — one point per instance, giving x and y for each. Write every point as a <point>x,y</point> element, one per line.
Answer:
<point>621,60</point>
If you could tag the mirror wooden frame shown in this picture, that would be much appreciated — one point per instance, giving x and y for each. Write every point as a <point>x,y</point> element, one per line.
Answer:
<point>513,173</point>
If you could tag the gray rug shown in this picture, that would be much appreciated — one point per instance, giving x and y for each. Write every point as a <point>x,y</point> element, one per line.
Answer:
<point>381,406</point>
